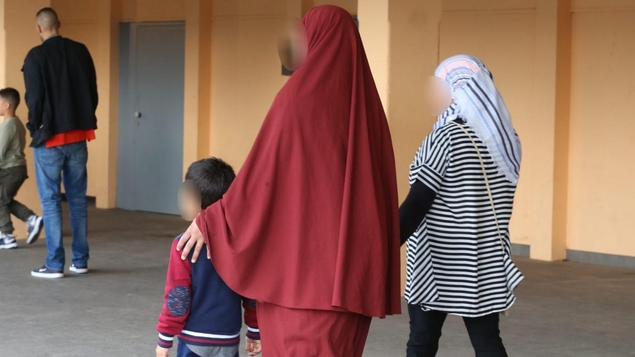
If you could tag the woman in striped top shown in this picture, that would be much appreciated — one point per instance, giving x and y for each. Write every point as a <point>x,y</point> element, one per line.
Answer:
<point>456,216</point>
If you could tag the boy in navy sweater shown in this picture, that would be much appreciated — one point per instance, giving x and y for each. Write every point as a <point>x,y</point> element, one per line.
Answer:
<point>199,307</point>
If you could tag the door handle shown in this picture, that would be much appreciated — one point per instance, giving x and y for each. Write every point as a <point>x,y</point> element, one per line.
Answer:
<point>137,114</point>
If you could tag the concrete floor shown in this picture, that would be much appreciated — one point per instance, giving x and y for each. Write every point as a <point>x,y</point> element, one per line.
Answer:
<point>563,309</point>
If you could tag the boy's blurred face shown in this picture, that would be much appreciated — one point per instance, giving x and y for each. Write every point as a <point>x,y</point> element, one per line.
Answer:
<point>4,106</point>
<point>189,200</point>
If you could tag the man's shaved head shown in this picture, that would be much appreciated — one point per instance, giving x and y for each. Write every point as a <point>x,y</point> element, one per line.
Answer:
<point>47,19</point>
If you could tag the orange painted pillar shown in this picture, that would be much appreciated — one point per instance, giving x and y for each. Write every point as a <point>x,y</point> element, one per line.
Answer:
<point>107,68</point>
<point>19,37</point>
<point>551,159</point>
<point>3,45</point>
<point>198,77</point>
<point>295,8</point>
<point>375,31</point>
<point>402,44</point>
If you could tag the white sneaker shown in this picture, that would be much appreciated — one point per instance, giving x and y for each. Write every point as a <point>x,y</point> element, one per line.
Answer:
<point>7,241</point>
<point>34,228</point>
<point>77,270</point>
<point>47,273</point>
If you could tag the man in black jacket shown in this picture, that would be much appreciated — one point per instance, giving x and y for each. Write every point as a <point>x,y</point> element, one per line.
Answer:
<point>61,95</point>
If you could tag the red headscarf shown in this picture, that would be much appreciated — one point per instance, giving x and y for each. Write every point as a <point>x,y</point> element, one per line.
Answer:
<point>311,221</point>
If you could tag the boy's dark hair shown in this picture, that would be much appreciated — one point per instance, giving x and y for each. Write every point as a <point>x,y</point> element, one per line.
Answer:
<point>12,96</point>
<point>212,176</point>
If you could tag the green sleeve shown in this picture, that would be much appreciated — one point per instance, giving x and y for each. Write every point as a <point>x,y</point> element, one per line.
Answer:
<point>6,135</point>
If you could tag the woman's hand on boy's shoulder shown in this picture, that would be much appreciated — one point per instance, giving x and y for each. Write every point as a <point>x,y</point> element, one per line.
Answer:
<point>192,239</point>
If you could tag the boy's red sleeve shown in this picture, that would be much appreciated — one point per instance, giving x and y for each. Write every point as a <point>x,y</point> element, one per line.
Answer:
<point>177,298</point>
<point>251,319</point>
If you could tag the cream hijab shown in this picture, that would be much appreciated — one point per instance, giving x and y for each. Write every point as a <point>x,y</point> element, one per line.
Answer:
<point>477,101</point>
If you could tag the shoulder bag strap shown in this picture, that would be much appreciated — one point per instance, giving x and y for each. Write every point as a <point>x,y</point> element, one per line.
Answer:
<point>489,191</point>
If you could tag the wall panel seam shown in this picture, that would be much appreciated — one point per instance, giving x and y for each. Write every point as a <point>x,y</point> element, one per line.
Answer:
<point>491,11</point>
<point>79,22</point>
<point>602,9</point>
<point>253,17</point>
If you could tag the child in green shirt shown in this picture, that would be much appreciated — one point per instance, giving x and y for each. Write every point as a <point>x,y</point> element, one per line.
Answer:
<point>13,172</point>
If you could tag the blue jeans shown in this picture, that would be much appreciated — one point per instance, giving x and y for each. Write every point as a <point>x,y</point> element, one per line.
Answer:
<point>184,351</point>
<point>52,166</point>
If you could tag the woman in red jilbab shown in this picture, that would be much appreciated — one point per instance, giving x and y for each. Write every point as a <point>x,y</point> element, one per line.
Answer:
<point>310,226</point>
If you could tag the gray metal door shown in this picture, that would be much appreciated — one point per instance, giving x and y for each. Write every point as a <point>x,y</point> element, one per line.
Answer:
<point>150,141</point>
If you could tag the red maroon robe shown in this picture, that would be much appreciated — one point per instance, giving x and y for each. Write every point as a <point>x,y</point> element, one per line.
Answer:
<point>311,221</point>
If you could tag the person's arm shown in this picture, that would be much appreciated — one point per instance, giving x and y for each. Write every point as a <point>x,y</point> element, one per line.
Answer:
<point>34,96</point>
<point>414,209</point>
<point>427,173</point>
<point>253,332</point>
<point>6,134</point>
<point>177,299</point>
<point>92,76</point>
<point>251,319</point>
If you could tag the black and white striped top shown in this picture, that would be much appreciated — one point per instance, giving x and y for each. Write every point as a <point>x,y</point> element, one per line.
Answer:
<point>456,262</point>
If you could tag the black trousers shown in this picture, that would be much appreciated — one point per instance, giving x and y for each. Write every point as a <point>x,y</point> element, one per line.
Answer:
<point>10,182</point>
<point>425,332</point>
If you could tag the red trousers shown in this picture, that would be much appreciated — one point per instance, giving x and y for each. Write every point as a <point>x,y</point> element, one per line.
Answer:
<point>311,333</point>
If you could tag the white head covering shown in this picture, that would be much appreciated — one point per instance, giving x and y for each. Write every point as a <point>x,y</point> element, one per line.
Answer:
<point>480,105</point>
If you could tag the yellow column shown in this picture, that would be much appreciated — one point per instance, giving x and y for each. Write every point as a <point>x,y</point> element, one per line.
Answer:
<point>553,77</point>
<point>402,44</point>
<point>375,31</point>
<point>107,67</point>
<point>198,76</point>
<point>3,45</point>
<point>413,56</point>
<point>20,37</point>
<point>295,8</point>
<point>306,6</point>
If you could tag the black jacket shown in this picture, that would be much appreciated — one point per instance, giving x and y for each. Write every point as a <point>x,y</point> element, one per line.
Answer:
<point>61,89</point>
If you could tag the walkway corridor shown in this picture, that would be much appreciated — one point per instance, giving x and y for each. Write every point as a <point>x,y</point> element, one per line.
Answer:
<point>564,309</point>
